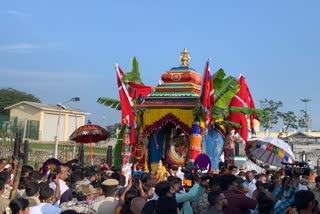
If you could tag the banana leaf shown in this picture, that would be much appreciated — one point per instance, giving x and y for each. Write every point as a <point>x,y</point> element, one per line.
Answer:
<point>118,149</point>
<point>218,79</point>
<point>228,89</point>
<point>199,111</point>
<point>245,110</point>
<point>227,123</point>
<point>134,75</point>
<point>113,103</point>
<point>217,112</point>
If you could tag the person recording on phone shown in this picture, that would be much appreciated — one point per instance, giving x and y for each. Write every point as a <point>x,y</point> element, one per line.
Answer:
<point>9,166</point>
<point>284,194</point>
<point>65,192</point>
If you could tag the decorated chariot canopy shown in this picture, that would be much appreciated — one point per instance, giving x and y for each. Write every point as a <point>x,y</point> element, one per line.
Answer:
<point>185,115</point>
<point>173,100</point>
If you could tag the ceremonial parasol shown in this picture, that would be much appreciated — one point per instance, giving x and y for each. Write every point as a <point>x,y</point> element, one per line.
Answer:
<point>203,163</point>
<point>89,134</point>
<point>269,150</point>
<point>50,164</point>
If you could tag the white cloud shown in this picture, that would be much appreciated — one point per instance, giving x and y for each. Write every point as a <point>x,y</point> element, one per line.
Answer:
<point>18,47</point>
<point>24,47</point>
<point>17,13</point>
<point>41,76</point>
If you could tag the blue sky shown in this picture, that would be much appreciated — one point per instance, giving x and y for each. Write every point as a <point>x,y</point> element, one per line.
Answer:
<point>60,49</point>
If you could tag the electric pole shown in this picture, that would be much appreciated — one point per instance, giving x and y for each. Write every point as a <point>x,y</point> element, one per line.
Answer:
<point>307,119</point>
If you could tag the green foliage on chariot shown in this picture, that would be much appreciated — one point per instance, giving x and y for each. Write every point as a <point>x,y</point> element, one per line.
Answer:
<point>225,88</point>
<point>132,76</point>
<point>118,149</point>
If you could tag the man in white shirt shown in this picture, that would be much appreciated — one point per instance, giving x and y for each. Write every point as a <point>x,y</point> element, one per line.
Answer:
<point>249,184</point>
<point>65,191</point>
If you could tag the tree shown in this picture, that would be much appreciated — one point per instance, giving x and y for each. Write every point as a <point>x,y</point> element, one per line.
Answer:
<point>270,117</point>
<point>289,120</point>
<point>303,120</point>
<point>10,96</point>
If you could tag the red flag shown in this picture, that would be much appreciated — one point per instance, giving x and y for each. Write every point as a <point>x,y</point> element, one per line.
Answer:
<point>252,116</point>
<point>135,90</point>
<point>239,100</point>
<point>245,95</point>
<point>207,93</point>
<point>126,95</point>
<point>125,99</point>
<point>239,118</point>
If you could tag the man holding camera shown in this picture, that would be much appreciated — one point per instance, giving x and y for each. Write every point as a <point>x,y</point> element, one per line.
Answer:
<point>284,194</point>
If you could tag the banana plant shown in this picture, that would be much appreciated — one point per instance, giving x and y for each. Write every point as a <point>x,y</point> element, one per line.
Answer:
<point>225,88</point>
<point>132,76</point>
<point>118,148</point>
<point>113,103</point>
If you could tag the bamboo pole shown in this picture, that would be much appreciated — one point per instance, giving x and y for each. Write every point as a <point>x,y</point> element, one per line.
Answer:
<point>14,190</point>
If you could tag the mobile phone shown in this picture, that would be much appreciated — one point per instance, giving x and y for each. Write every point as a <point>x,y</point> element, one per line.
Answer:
<point>53,176</point>
<point>136,180</point>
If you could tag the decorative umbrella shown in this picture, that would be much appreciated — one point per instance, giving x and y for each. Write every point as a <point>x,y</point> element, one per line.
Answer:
<point>203,162</point>
<point>269,150</point>
<point>50,164</point>
<point>89,134</point>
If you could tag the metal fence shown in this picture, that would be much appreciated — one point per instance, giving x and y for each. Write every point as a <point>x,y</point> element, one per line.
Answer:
<point>6,149</point>
<point>37,153</point>
<point>10,126</point>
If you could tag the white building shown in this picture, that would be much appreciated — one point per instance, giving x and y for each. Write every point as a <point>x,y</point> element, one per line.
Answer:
<point>46,117</point>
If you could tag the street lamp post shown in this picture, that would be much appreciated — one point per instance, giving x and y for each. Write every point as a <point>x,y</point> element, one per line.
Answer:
<point>307,119</point>
<point>74,99</point>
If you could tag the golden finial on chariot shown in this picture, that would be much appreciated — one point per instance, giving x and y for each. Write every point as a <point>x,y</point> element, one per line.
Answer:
<point>184,58</point>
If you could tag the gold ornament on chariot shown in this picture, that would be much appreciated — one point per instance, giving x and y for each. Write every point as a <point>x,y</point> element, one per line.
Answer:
<point>198,79</point>
<point>176,77</point>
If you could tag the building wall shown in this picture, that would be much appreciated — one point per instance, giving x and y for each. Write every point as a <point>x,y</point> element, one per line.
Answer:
<point>49,130</point>
<point>72,122</point>
<point>25,112</point>
<point>67,124</point>
<point>48,120</point>
<point>275,134</point>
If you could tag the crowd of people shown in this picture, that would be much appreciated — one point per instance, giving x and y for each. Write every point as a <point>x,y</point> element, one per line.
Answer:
<point>98,189</point>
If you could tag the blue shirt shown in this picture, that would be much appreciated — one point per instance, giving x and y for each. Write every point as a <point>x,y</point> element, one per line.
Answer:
<point>186,197</point>
<point>283,204</point>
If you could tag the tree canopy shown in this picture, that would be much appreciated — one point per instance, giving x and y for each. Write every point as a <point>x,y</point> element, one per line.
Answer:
<point>272,115</point>
<point>10,96</point>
